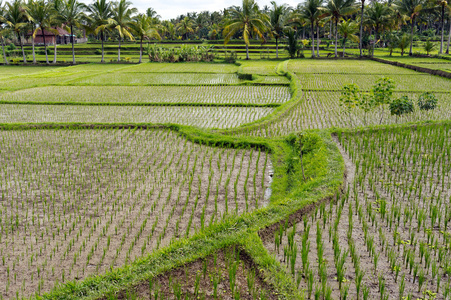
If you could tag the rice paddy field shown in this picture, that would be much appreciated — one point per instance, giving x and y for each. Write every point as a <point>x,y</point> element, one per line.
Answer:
<point>222,181</point>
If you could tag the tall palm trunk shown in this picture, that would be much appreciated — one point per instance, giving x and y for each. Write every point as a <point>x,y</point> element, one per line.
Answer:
<point>449,37</point>
<point>103,53</point>
<point>54,50</point>
<point>247,52</point>
<point>23,51</point>
<point>411,37</point>
<point>336,38</point>
<point>119,50</point>
<point>344,47</point>
<point>361,28</point>
<point>313,38</point>
<point>4,53</point>
<point>330,29</point>
<point>317,39</point>
<point>375,39</point>
<point>442,24</point>
<point>45,46</point>
<point>277,47</point>
<point>32,46</point>
<point>141,51</point>
<point>73,42</point>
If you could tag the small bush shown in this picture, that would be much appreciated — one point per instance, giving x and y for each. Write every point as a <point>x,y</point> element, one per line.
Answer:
<point>427,101</point>
<point>401,106</point>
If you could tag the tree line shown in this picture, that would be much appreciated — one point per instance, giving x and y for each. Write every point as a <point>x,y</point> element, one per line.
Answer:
<point>391,23</point>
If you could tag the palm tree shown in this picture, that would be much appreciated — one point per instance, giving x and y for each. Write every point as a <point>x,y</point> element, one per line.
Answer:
<point>71,15</point>
<point>55,22</point>
<point>377,16</point>
<point>337,9</point>
<point>100,19</point>
<point>449,34</point>
<point>215,30</point>
<point>122,15</point>
<point>362,9</point>
<point>150,12</point>
<point>16,18</point>
<point>277,18</point>
<point>411,8</point>
<point>169,30</point>
<point>185,26</point>
<point>347,30</point>
<point>31,6</point>
<point>403,43</point>
<point>142,28</point>
<point>247,18</point>
<point>41,13</point>
<point>442,6</point>
<point>2,31</point>
<point>311,11</point>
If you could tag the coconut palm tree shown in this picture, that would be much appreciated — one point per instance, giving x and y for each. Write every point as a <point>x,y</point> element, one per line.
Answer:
<point>215,30</point>
<point>278,15</point>
<point>247,18</point>
<point>99,19</point>
<point>377,16</point>
<point>71,16</point>
<point>441,6</point>
<point>348,29</point>
<point>412,9</point>
<point>403,43</point>
<point>41,14</point>
<point>336,10</point>
<point>169,30</point>
<point>3,31</point>
<point>122,16</point>
<point>311,11</point>
<point>362,9</point>
<point>448,8</point>
<point>57,9</point>
<point>16,18</point>
<point>185,27</point>
<point>141,26</point>
<point>31,5</point>
<point>150,12</point>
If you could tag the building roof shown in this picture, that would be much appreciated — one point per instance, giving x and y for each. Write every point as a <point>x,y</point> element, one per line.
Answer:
<point>60,30</point>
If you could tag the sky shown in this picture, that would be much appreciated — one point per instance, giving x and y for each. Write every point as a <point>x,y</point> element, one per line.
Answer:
<point>169,9</point>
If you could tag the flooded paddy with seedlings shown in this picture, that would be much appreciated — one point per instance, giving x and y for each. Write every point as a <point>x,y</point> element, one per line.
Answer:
<point>259,179</point>
<point>388,235</point>
<point>79,202</point>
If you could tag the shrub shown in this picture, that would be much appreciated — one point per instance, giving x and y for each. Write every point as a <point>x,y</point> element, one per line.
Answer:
<point>401,106</point>
<point>429,46</point>
<point>427,101</point>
